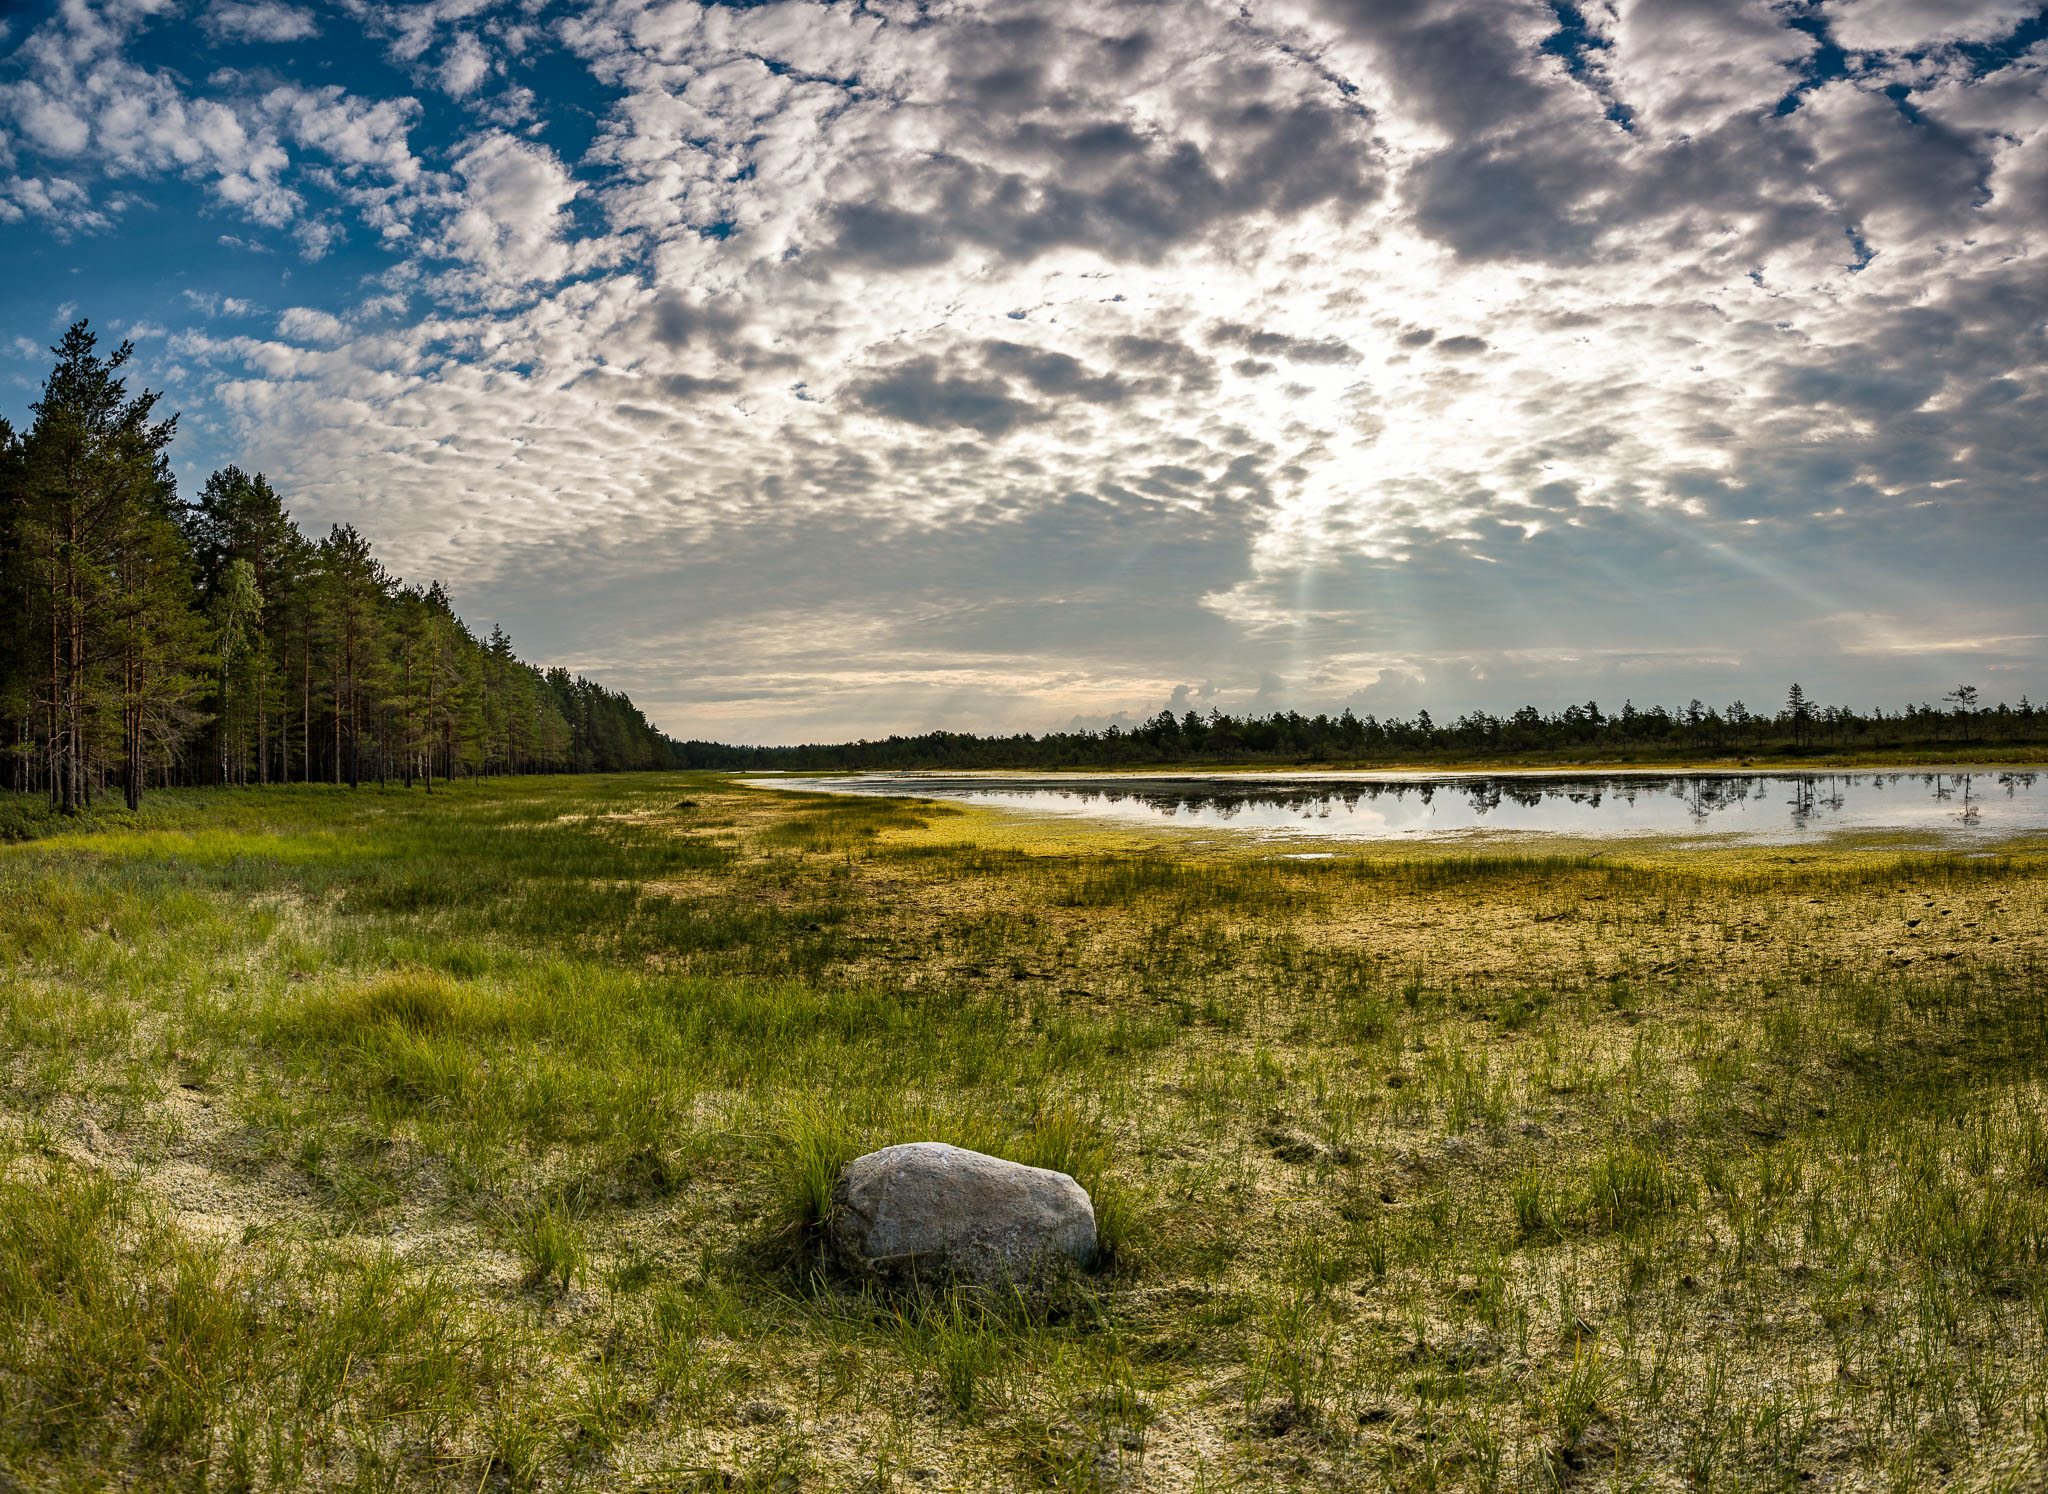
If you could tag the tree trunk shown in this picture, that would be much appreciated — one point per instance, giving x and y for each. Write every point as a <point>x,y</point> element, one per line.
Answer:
<point>60,788</point>
<point>132,731</point>
<point>263,717</point>
<point>355,734</point>
<point>74,785</point>
<point>406,746</point>
<point>306,723</point>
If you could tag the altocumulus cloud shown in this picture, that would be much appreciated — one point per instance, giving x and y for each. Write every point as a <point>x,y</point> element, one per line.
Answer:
<point>816,369</point>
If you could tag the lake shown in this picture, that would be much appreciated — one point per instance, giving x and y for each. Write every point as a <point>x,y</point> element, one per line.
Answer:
<point>1765,807</point>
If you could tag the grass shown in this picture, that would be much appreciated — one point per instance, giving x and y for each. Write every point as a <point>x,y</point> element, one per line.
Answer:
<point>366,1141</point>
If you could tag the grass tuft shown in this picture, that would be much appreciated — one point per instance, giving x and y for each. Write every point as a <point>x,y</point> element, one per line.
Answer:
<point>809,1149</point>
<point>549,1241</point>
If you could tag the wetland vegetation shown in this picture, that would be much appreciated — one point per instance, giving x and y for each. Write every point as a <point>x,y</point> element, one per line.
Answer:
<point>367,1140</point>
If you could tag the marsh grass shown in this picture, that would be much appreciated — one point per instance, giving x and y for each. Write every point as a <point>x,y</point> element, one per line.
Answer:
<point>366,1141</point>
<point>549,1241</point>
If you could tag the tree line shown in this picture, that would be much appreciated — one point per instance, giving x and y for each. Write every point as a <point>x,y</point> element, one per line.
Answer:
<point>1800,725</point>
<point>146,640</point>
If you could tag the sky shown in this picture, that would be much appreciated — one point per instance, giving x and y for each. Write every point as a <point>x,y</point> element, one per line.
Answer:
<point>816,371</point>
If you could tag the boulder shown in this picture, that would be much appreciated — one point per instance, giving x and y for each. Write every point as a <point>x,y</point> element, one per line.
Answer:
<point>933,1211</point>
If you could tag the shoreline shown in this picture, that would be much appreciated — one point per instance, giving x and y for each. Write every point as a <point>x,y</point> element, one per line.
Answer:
<point>1406,773</point>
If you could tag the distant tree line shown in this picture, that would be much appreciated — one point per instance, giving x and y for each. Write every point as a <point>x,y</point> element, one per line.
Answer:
<point>149,641</point>
<point>1801,725</point>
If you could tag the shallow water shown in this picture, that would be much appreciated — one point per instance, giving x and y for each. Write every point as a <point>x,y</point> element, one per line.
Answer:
<point>1965,807</point>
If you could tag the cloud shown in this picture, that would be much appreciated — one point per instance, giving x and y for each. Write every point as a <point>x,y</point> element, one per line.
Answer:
<point>1027,361</point>
<point>315,238</point>
<point>1688,65</point>
<point>1915,25</point>
<point>465,66</point>
<point>305,324</point>
<point>258,21</point>
<point>1265,344</point>
<point>506,220</point>
<point>353,132</point>
<point>51,123</point>
<point>61,203</point>
<point>920,392</point>
<point>81,101</point>
<point>84,101</point>
<point>210,304</point>
<point>1050,372</point>
<point>1109,188</point>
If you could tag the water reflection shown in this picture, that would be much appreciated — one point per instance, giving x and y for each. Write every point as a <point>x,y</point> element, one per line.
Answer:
<point>1756,806</point>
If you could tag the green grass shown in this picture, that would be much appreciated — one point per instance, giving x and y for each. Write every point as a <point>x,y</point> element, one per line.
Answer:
<point>487,1141</point>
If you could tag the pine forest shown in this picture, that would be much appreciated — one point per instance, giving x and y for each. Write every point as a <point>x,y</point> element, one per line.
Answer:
<point>148,640</point>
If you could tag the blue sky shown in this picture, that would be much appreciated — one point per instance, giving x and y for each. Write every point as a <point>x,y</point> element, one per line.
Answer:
<point>826,370</point>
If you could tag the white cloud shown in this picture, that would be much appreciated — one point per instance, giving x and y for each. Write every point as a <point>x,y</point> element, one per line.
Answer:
<point>305,324</point>
<point>315,237</point>
<point>58,201</point>
<point>351,131</point>
<point>506,222</point>
<point>1911,25</point>
<point>1686,66</point>
<point>465,66</point>
<point>210,304</point>
<point>258,21</point>
<point>47,122</point>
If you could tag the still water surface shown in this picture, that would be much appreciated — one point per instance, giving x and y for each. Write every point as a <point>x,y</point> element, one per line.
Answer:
<point>1954,806</point>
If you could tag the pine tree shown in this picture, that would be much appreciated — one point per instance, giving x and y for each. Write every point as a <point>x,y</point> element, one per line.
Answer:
<point>103,566</point>
<point>353,590</point>
<point>157,638</point>
<point>17,742</point>
<point>240,518</point>
<point>238,645</point>
<point>1800,710</point>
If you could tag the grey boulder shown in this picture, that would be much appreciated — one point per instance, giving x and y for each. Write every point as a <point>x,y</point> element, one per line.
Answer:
<point>929,1210</point>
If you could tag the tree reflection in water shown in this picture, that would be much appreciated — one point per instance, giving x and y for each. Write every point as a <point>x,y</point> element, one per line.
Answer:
<point>1767,805</point>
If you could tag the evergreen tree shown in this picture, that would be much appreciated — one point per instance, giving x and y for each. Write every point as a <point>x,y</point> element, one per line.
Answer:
<point>352,592</point>
<point>240,518</point>
<point>238,642</point>
<point>17,743</point>
<point>101,570</point>
<point>1799,711</point>
<point>156,637</point>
